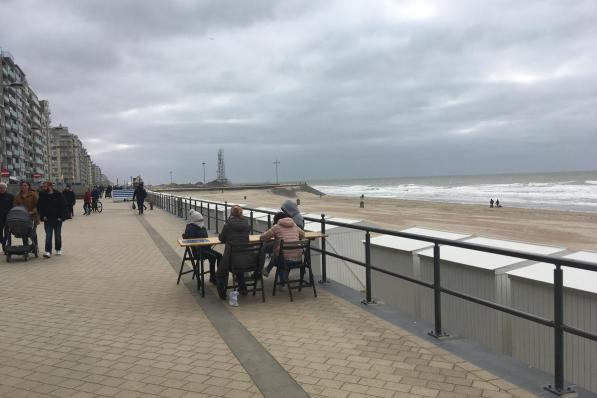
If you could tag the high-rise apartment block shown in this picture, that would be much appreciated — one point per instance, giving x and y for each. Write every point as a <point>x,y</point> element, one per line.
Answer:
<point>30,149</point>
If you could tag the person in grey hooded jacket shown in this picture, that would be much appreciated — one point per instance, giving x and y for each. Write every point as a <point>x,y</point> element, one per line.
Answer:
<point>291,209</point>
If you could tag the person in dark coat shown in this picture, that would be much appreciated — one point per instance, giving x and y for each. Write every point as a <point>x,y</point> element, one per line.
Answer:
<point>139,195</point>
<point>69,198</point>
<point>236,230</point>
<point>6,201</point>
<point>51,208</point>
<point>196,229</point>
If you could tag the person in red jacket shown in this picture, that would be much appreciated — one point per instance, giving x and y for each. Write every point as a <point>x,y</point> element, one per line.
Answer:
<point>87,202</point>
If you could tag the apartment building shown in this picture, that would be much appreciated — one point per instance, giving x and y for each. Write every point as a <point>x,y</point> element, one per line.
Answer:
<point>30,149</point>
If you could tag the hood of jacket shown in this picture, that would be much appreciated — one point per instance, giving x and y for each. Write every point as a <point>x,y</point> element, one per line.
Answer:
<point>289,207</point>
<point>286,223</point>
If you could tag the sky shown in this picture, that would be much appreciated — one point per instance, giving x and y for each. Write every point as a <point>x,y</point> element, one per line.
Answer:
<point>332,89</point>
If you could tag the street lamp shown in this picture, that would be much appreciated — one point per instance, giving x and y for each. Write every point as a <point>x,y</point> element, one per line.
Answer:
<point>203,163</point>
<point>277,163</point>
<point>170,177</point>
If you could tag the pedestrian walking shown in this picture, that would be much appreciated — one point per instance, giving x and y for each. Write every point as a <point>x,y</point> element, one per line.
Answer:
<point>139,195</point>
<point>6,203</point>
<point>87,202</point>
<point>28,199</point>
<point>70,199</point>
<point>52,211</point>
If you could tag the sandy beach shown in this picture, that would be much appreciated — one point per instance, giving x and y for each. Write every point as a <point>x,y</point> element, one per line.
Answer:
<point>573,230</point>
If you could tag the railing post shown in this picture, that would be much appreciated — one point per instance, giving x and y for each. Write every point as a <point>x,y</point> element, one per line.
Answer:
<point>225,210</point>
<point>269,221</point>
<point>324,277</point>
<point>251,219</point>
<point>208,218</point>
<point>558,334</point>
<point>437,332</point>
<point>216,214</point>
<point>201,206</point>
<point>368,269</point>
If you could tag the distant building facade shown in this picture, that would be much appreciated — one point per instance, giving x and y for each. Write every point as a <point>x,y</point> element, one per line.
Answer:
<point>30,149</point>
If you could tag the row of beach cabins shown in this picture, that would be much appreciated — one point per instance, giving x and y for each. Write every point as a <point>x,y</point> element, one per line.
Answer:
<point>514,282</point>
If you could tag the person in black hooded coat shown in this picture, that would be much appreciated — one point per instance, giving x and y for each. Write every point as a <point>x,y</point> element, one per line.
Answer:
<point>236,230</point>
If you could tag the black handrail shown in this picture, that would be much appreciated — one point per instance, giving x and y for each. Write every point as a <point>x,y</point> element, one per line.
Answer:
<point>557,324</point>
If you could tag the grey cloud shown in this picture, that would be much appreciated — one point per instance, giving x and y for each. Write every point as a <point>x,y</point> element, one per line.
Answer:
<point>334,89</point>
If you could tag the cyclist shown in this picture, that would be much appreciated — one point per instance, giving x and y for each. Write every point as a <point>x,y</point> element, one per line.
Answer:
<point>95,195</point>
<point>87,202</point>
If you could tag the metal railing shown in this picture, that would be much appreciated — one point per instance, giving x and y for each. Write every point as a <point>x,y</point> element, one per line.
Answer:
<point>181,206</point>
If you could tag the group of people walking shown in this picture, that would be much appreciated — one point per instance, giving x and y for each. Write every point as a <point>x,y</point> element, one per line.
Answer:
<point>493,204</point>
<point>48,206</point>
<point>288,226</point>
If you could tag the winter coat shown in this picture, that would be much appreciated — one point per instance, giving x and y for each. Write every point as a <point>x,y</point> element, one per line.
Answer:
<point>95,193</point>
<point>69,197</point>
<point>289,207</point>
<point>87,197</point>
<point>193,231</point>
<point>52,207</point>
<point>285,230</point>
<point>140,194</point>
<point>236,230</point>
<point>29,202</point>
<point>6,203</point>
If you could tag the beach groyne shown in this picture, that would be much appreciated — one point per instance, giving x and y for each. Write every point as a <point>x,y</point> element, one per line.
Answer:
<point>289,190</point>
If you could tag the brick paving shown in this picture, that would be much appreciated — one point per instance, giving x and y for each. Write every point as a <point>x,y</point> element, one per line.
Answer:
<point>106,319</point>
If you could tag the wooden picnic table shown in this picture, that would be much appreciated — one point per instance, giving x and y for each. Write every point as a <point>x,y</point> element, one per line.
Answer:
<point>197,263</point>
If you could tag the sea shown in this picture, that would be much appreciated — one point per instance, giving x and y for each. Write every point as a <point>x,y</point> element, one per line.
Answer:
<point>568,191</point>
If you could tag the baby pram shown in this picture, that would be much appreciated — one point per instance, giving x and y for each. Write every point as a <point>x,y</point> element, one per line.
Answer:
<point>20,225</point>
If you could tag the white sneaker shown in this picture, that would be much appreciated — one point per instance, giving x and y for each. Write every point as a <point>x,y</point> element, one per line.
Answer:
<point>59,252</point>
<point>47,254</point>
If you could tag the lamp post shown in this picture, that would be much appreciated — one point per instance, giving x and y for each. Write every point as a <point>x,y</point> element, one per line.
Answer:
<point>3,155</point>
<point>170,177</point>
<point>277,162</point>
<point>203,163</point>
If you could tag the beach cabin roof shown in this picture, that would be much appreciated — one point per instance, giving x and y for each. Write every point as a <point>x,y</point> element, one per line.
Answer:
<point>406,244</point>
<point>574,278</point>
<point>489,261</point>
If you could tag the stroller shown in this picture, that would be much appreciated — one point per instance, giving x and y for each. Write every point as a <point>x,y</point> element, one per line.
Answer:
<point>20,224</point>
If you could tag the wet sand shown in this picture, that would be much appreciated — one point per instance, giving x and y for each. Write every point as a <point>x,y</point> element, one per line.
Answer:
<point>573,230</point>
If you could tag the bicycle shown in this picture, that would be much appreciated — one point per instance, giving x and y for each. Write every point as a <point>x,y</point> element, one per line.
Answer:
<point>97,206</point>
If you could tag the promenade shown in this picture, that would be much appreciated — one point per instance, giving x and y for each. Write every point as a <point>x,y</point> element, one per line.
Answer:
<point>107,319</point>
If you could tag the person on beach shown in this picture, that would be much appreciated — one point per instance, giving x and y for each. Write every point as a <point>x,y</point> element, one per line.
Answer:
<point>52,210</point>
<point>28,199</point>
<point>69,198</point>
<point>6,203</point>
<point>139,195</point>
<point>196,229</point>
<point>491,203</point>
<point>87,202</point>
<point>497,203</point>
<point>235,230</point>
<point>285,230</point>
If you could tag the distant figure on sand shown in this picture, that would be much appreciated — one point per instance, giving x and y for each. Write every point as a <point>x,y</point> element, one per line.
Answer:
<point>497,203</point>
<point>491,203</point>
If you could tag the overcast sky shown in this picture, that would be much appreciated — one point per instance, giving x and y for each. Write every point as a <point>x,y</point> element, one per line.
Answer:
<point>333,89</point>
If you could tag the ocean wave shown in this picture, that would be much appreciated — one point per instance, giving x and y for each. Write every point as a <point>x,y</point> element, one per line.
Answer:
<point>564,195</point>
<point>591,182</point>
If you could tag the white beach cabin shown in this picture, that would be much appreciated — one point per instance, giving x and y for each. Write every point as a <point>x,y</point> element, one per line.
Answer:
<point>533,344</point>
<point>397,255</point>
<point>481,275</point>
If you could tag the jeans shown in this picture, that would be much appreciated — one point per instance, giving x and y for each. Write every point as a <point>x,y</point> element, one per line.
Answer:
<point>284,269</point>
<point>140,206</point>
<point>214,257</point>
<point>4,236</point>
<point>54,227</point>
